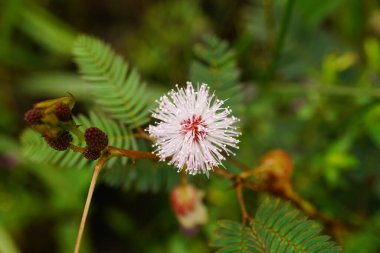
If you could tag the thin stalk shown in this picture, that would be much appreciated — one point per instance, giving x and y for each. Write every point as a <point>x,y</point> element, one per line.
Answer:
<point>239,194</point>
<point>95,175</point>
<point>142,134</point>
<point>113,151</point>
<point>184,177</point>
<point>281,38</point>
<point>76,148</point>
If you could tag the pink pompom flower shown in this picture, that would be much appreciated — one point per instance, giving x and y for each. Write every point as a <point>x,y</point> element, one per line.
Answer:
<point>193,130</point>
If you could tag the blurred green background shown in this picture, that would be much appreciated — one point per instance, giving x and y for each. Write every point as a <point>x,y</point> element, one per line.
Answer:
<point>310,77</point>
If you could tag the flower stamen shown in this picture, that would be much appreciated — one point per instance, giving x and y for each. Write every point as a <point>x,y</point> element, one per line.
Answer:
<point>194,126</point>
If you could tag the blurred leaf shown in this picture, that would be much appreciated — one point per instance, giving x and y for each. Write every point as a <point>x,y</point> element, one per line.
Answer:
<point>54,84</point>
<point>163,54</point>
<point>117,90</point>
<point>8,18</point>
<point>338,159</point>
<point>371,122</point>
<point>333,64</point>
<point>314,12</point>
<point>372,53</point>
<point>46,29</point>
<point>7,245</point>
<point>366,239</point>
<point>216,66</point>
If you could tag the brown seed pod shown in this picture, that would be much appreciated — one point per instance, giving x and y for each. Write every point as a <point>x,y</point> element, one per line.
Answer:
<point>91,154</point>
<point>96,139</point>
<point>33,116</point>
<point>60,142</point>
<point>62,111</point>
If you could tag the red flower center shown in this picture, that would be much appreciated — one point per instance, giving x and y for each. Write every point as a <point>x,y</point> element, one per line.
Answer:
<point>196,126</point>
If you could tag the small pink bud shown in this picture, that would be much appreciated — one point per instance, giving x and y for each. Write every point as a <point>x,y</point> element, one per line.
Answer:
<point>187,204</point>
<point>183,198</point>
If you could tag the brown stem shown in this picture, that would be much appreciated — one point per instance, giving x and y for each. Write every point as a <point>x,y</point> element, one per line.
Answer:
<point>97,169</point>
<point>143,135</point>
<point>239,194</point>
<point>113,151</point>
<point>224,173</point>
<point>184,177</point>
<point>233,177</point>
<point>76,148</point>
<point>238,164</point>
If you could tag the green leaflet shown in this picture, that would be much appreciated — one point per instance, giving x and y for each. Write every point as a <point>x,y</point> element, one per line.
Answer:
<point>235,237</point>
<point>216,65</point>
<point>36,150</point>
<point>277,227</point>
<point>117,89</point>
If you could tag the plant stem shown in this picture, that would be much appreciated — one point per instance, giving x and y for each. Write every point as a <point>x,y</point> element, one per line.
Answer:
<point>76,148</point>
<point>142,134</point>
<point>95,175</point>
<point>113,151</point>
<point>281,38</point>
<point>239,194</point>
<point>184,177</point>
<point>238,164</point>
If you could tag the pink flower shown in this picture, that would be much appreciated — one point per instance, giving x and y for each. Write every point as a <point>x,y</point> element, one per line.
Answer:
<point>187,204</point>
<point>193,129</point>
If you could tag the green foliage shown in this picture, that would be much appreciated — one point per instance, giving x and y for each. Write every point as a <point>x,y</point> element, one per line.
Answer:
<point>314,12</point>
<point>143,176</point>
<point>117,90</point>
<point>35,149</point>
<point>277,227</point>
<point>34,21</point>
<point>216,65</point>
<point>235,237</point>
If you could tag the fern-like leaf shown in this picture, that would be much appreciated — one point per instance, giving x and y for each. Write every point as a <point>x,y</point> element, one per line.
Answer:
<point>117,89</point>
<point>277,227</point>
<point>281,227</point>
<point>235,237</point>
<point>35,149</point>
<point>216,65</point>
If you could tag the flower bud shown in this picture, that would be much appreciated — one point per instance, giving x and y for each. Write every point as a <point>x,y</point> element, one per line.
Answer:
<point>91,154</point>
<point>63,111</point>
<point>96,139</point>
<point>275,171</point>
<point>278,163</point>
<point>187,204</point>
<point>60,142</point>
<point>33,116</point>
